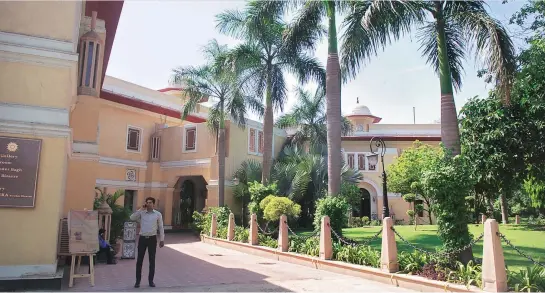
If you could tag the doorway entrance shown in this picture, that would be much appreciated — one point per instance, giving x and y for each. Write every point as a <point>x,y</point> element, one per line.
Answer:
<point>365,203</point>
<point>189,196</point>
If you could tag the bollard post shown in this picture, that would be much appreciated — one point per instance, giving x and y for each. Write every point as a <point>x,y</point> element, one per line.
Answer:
<point>326,247</point>
<point>283,240</point>
<point>388,253</point>
<point>483,218</point>
<point>517,219</point>
<point>493,272</point>
<point>253,230</point>
<point>231,227</point>
<point>214,226</point>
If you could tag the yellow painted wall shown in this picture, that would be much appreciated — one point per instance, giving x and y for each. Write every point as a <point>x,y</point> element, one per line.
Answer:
<point>26,229</point>
<point>80,185</point>
<point>55,20</point>
<point>31,84</point>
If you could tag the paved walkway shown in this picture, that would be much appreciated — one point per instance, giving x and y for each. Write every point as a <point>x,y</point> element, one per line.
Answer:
<point>185,264</point>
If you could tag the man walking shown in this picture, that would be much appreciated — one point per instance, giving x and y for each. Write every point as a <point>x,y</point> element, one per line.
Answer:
<point>150,221</point>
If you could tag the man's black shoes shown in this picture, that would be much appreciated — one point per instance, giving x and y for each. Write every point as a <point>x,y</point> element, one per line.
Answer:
<point>151,284</point>
<point>137,285</point>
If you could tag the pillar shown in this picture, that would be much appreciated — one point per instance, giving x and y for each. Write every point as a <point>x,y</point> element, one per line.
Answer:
<point>483,218</point>
<point>388,253</point>
<point>231,227</point>
<point>493,272</point>
<point>253,230</point>
<point>283,240</point>
<point>517,219</point>
<point>105,219</point>
<point>326,247</point>
<point>214,226</point>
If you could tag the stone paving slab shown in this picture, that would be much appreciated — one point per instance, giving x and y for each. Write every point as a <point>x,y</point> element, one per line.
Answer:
<point>185,264</point>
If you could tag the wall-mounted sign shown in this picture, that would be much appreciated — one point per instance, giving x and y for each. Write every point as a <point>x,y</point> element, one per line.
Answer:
<point>19,161</point>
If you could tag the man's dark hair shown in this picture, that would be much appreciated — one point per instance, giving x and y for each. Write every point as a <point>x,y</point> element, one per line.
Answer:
<point>100,231</point>
<point>150,198</point>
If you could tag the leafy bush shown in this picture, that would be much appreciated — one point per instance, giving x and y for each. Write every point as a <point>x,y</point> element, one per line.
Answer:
<point>351,193</point>
<point>433,271</point>
<point>336,208</point>
<point>532,279</point>
<point>412,263</point>
<point>267,241</point>
<point>375,223</point>
<point>241,234</point>
<point>469,274</point>
<point>360,255</point>
<point>275,206</point>
<point>365,221</point>
<point>310,246</point>
<point>202,221</point>
<point>258,192</point>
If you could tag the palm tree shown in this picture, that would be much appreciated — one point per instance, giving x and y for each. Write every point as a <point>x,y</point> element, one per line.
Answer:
<point>446,37</point>
<point>304,33</point>
<point>214,81</point>
<point>263,60</point>
<point>309,118</point>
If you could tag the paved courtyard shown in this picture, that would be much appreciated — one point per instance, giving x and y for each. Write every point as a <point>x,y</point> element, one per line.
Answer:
<point>186,264</point>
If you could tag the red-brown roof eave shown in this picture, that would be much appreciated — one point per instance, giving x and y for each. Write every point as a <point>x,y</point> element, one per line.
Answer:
<point>393,138</point>
<point>121,99</point>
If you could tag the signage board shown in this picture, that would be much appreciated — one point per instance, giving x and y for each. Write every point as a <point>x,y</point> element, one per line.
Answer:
<point>19,164</point>
<point>83,231</point>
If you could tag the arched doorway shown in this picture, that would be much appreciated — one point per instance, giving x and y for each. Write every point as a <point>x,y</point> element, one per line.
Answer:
<point>189,196</point>
<point>365,203</point>
<point>187,203</point>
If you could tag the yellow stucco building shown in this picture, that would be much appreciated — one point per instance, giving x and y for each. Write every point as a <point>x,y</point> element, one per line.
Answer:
<point>68,128</point>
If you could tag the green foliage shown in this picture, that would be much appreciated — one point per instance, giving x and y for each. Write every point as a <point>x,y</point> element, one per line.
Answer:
<point>469,274</point>
<point>448,182</point>
<point>359,222</point>
<point>351,193</point>
<point>412,263</point>
<point>409,197</point>
<point>359,255</point>
<point>120,214</point>
<point>274,207</point>
<point>203,221</point>
<point>267,241</point>
<point>241,234</point>
<point>310,246</point>
<point>532,279</point>
<point>336,208</point>
<point>536,190</point>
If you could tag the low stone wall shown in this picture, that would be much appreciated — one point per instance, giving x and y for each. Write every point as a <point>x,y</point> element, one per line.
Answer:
<point>399,280</point>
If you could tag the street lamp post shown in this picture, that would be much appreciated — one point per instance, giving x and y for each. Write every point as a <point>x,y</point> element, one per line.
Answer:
<point>373,159</point>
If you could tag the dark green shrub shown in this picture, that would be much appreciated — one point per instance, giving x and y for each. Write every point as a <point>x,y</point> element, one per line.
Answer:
<point>336,208</point>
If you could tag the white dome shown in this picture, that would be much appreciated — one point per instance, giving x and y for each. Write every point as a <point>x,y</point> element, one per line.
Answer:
<point>360,110</point>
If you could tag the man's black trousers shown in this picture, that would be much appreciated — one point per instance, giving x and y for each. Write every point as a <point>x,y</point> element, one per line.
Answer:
<point>149,242</point>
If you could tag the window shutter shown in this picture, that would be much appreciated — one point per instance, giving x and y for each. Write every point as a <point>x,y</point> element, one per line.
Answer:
<point>190,139</point>
<point>260,149</point>
<point>350,160</point>
<point>361,162</point>
<point>252,140</point>
<point>133,139</point>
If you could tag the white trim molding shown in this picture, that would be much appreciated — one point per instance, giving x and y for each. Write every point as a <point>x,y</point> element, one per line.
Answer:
<point>214,182</point>
<point>26,271</point>
<point>125,163</point>
<point>37,46</point>
<point>84,147</point>
<point>34,114</point>
<point>34,120</point>
<point>120,183</point>
<point>185,163</point>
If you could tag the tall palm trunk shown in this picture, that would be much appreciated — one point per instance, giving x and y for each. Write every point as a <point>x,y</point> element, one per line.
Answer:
<point>333,112</point>
<point>221,158</point>
<point>267,131</point>
<point>450,133</point>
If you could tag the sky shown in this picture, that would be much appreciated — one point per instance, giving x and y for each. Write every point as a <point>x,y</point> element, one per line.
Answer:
<point>153,37</point>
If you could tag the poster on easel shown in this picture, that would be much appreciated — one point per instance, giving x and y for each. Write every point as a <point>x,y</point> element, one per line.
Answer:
<point>83,231</point>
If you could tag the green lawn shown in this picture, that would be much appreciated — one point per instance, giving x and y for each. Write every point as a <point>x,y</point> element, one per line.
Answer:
<point>530,240</point>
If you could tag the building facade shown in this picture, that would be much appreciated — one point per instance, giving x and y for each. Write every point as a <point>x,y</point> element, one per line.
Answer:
<point>85,130</point>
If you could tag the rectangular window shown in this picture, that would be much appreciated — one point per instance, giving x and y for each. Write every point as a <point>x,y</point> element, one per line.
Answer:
<point>133,139</point>
<point>96,66</point>
<point>350,159</point>
<point>260,137</point>
<point>361,162</point>
<point>190,138</point>
<point>251,140</point>
<point>89,63</point>
<point>155,147</point>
